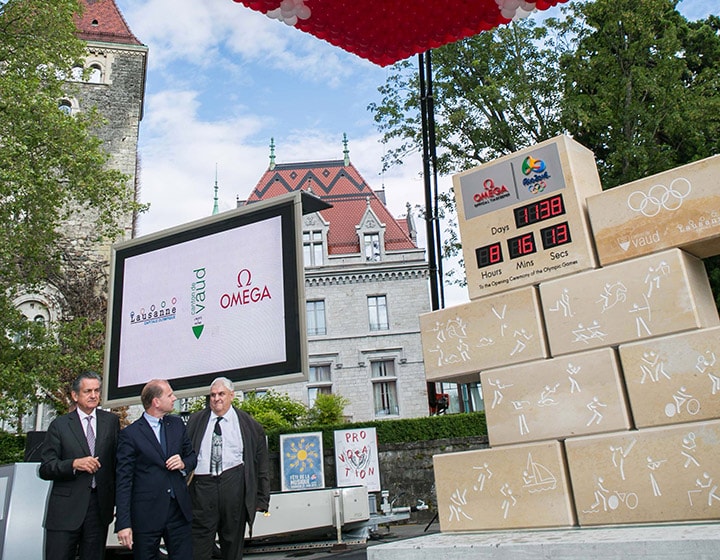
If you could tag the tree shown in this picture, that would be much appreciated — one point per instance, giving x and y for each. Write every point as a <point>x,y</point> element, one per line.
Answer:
<point>494,93</point>
<point>327,409</point>
<point>641,86</point>
<point>52,169</point>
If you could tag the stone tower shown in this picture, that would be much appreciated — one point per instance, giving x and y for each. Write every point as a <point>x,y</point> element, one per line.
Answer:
<point>116,88</point>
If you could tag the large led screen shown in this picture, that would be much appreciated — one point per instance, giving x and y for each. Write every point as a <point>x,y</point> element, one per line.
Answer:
<point>222,296</point>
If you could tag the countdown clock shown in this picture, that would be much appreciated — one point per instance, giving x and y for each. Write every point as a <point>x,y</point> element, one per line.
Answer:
<point>523,219</point>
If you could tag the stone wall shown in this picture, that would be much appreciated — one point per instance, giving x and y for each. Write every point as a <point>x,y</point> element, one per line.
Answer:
<point>406,470</point>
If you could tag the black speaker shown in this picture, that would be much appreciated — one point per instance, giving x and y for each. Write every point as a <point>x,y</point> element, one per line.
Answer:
<point>33,446</point>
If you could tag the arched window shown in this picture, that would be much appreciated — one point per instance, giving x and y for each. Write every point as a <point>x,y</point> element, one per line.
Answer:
<point>65,106</point>
<point>95,74</point>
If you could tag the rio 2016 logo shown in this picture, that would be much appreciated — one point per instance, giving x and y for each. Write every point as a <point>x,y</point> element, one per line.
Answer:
<point>538,182</point>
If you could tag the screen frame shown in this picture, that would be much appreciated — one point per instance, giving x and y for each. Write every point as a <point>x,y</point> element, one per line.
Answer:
<point>290,209</point>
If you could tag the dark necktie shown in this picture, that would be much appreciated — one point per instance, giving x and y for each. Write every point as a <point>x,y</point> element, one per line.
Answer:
<point>216,449</point>
<point>90,435</point>
<point>163,441</point>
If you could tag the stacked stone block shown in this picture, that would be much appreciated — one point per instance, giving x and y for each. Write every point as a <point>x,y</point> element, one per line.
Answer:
<point>625,401</point>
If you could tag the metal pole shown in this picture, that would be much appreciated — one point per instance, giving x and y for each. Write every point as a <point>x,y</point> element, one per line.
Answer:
<point>429,221</point>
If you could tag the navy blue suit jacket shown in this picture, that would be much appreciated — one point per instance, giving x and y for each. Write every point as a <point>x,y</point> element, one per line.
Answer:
<point>144,485</point>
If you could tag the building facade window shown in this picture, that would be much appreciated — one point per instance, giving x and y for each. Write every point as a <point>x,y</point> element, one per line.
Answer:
<point>65,106</point>
<point>319,382</point>
<point>384,384</point>
<point>372,246</point>
<point>316,317</point>
<point>378,313</point>
<point>95,74</point>
<point>313,250</point>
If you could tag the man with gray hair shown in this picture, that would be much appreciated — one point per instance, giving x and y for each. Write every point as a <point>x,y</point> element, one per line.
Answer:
<point>231,481</point>
<point>78,456</point>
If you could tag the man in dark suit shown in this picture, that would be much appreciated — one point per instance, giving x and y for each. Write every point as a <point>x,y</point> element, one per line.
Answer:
<point>153,457</point>
<point>231,481</point>
<point>78,455</point>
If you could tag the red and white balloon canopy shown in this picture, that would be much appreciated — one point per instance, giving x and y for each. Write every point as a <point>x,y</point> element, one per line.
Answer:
<point>385,31</point>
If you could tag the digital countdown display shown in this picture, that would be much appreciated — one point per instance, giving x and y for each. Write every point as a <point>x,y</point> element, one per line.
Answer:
<point>522,218</point>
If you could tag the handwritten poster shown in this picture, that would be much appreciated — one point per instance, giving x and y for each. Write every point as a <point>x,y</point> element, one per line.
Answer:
<point>356,458</point>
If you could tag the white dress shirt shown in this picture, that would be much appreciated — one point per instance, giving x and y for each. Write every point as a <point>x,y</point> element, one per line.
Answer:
<point>232,444</point>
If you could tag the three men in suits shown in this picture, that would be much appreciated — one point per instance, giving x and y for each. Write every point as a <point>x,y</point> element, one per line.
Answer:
<point>231,481</point>
<point>154,455</point>
<point>78,456</point>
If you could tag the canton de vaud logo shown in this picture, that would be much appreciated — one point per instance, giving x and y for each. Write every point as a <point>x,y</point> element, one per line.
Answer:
<point>536,174</point>
<point>198,289</point>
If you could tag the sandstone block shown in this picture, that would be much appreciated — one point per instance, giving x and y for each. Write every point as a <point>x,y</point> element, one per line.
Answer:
<point>642,298</point>
<point>519,486</point>
<point>674,378</point>
<point>677,208</point>
<point>522,217</point>
<point>502,329</point>
<point>553,399</point>
<point>652,475</point>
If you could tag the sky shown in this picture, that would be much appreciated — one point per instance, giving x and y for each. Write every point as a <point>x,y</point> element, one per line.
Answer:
<point>222,80</point>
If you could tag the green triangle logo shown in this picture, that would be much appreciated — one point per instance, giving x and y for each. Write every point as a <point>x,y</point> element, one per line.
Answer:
<point>197,330</point>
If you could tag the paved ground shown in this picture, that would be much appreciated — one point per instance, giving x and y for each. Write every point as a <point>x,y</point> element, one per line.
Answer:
<point>327,550</point>
<point>390,533</point>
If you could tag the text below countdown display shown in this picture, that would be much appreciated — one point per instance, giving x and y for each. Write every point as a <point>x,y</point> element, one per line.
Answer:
<point>220,296</point>
<point>522,217</point>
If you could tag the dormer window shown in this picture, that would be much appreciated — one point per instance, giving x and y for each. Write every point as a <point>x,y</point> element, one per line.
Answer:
<point>313,250</point>
<point>372,247</point>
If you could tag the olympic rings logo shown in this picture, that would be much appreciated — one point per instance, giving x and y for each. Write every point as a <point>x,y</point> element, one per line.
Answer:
<point>659,197</point>
<point>537,187</point>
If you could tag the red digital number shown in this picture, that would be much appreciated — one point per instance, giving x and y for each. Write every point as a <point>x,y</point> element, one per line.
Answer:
<point>526,244</point>
<point>556,206</point>
<point>545,209</point>
<point>561,233</point>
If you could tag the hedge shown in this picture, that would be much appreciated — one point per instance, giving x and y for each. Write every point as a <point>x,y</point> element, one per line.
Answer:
<point>398,431</point>
<point>12,448</point>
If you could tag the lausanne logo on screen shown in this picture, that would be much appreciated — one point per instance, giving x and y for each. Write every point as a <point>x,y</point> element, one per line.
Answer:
<point>154,313</point>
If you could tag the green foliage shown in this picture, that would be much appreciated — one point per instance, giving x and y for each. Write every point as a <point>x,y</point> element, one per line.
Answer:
<point>712,265</point>
<point>12,448</point>
<point>399,431</point>
<point>327,409</point>
<point>51,164</point>
<point>52,168</point>
<point>289,412</point>
<point>494,93</point>
<point>641,86</point>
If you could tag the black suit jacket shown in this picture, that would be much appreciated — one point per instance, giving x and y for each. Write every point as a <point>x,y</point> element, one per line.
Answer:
<point>70,494</point>
<point>144,483</point>
<point>255,452</point>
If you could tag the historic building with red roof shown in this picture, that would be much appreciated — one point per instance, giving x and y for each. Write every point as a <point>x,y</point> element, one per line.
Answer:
<point>366,284</point>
